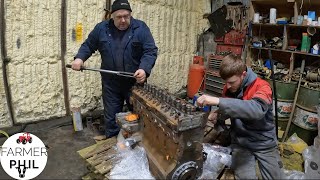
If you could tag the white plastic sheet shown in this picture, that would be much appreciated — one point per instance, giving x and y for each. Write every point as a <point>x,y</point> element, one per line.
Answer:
<point>133,165</point>
<point>217,158</point>
<point>311,156</point>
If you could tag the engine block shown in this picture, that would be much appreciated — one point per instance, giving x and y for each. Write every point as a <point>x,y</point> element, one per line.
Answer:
<point>172,133</point>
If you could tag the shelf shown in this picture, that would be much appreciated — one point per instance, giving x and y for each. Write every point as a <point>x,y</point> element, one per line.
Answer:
<point>286,51</point>
<point>280,25</point>
<point>285,2</point>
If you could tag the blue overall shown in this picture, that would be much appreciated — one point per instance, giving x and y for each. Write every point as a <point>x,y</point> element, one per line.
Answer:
<point>128,51</point>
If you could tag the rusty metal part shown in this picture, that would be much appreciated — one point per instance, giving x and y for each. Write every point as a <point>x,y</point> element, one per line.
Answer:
<point>186,171</point>
<point>172,131</point>
<point>314,85</point>
<point>129,126</point>
<point>313,77</point>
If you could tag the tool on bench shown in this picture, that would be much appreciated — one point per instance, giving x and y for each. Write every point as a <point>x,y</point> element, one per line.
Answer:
<point>118,73</point>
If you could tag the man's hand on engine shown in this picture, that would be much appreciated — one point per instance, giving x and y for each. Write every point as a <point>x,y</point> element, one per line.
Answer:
<point>207,100</point>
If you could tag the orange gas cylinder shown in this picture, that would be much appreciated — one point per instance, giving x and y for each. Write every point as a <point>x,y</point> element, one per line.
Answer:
<point>195,77</point>
<point>198,60</point>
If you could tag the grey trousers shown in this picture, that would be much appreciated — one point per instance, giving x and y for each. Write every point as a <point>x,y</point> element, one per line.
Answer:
<point>244,163</point>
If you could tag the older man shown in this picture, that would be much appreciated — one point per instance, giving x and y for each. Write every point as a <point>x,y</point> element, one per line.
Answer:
<point>125,44</point>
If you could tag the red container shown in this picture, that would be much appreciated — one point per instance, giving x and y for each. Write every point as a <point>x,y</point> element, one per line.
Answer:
<point>198,60</point>
<point>218,57</point>
<point>235,38</point>
<point>195,79</point>
<point>237,50</point>
<point>220,39</point>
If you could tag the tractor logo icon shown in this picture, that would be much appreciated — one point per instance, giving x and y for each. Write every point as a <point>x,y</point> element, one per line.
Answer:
<point>24,138</point>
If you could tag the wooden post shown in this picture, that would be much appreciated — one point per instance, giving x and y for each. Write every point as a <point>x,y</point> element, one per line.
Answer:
<point>292,58</point>
<point>285,38</point>
<point>295,8</point>
<point>63,54</point>
<point>5,60</point>
<point>294,102</point>
<point>251,11</point>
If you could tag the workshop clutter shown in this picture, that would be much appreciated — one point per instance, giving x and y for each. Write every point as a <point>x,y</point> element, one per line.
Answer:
<point>231,43</point>
<point>234,38</point>
<point>311,162</point>
<point>225,50</point>
<point>304,44</point>
<point>274,42</point>
<point>229,24</point>
<point>233,16</point>
<point>276,17</point>
<point>305,119</point>
<point>280,28</point>
<point>238,13</point>
<point>281,71</point>
<point>291,36</point>
<point>296,143</point>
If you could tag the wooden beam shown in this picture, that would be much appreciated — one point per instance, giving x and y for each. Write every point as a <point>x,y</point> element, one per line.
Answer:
<point>5,60</point>
<point>63,42</point>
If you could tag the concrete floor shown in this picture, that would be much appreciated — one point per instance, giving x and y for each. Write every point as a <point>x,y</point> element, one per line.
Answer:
<point>63,159</point>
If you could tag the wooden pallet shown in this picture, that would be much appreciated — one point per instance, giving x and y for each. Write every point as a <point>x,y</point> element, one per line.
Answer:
<point>100,158</point>
<point>228,174</point>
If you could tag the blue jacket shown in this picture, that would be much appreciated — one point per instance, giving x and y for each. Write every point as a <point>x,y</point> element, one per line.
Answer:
<point>140,50</point>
